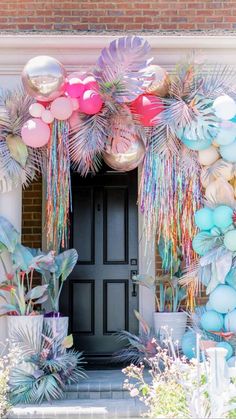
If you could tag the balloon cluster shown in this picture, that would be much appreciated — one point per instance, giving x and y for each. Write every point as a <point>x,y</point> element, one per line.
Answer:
<point>58,96</point>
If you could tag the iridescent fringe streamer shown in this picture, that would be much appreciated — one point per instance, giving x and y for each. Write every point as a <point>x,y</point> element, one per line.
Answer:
<point>58,187</point>
<point>169,195</point>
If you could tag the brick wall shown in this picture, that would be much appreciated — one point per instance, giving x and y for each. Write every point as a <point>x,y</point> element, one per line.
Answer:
<point>119,15</point>
<point>32,215</point>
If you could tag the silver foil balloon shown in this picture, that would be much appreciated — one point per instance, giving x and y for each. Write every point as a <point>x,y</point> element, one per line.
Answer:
<point>128,158</point>
<point>44,78</point>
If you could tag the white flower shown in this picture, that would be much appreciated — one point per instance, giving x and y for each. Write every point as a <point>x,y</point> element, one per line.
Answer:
<point>134,392</point>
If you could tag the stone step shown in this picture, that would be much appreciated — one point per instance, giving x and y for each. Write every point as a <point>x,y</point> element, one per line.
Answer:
<point>67,409</point>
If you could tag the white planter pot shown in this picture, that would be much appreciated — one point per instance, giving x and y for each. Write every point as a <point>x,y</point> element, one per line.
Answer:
<point>170,324</point>
<point>31,327</point>
<point>58,325</point>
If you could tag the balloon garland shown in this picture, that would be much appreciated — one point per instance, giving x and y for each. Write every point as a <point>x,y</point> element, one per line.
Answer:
<point>125,111</point>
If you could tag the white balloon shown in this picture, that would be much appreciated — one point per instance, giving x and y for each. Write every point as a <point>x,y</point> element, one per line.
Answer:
<point>220,192</point>
<point>208,156</point>
<point>225,107</point>
<point>36,110</point>
<point>47,116</point>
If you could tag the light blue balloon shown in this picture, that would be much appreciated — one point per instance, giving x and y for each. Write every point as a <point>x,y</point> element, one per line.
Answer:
<point>212,321</point>
<point>223,299</point>
<point>230,322</point>
<point>197,145</point>
<point>226,134</point>
<point>188,344</point>
<point>228,152</point>
<point>222,216</point>
<point>231,362</point>
<point>227,346</point>
<point>204,218</point>
<point>230,240</point>
<point>208,306</point>
<point>230,278</point>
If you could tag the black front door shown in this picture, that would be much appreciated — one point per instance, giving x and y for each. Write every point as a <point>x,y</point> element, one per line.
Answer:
<point>99,297</point>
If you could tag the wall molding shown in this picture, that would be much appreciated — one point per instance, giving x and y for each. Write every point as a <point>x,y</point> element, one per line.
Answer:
<point>77,51</point>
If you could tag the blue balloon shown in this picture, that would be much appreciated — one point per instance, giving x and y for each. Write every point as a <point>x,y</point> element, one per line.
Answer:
<point>223,299</point>
<point>226,134</point>
<point>197,145</point>
<point>230,322</point>
<point>228,152</point>
<point>204,218</point>
<point>223,216</point>
<point>227,346</point>
<point>212,321</point>
<point>188,344</point>
<point>208,306</point>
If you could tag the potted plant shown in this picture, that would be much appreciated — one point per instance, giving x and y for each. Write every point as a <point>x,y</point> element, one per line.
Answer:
<point>54,274</point>
<point>168,319</point>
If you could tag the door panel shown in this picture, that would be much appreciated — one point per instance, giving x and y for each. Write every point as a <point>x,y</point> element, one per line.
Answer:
<point>104,229</point>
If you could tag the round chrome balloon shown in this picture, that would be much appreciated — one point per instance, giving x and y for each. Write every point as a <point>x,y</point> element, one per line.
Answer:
<point>160,83</point>
<point>124,155</point>
<point>44,78</point>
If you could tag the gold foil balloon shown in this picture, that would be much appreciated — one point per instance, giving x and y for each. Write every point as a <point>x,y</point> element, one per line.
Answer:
<point>44,78</point>
<point>160,83</point>
<point>125,152</point>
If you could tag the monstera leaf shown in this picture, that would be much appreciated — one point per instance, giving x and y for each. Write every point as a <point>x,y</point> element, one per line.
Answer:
<point>17,148</point>
<point>119,68</point>
<point>9,236</point>
<point>65,263</point>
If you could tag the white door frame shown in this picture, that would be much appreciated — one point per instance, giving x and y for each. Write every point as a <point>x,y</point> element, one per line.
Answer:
<point>80,52</point>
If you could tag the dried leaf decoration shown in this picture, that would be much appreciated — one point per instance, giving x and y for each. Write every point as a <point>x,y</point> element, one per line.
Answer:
<point>68,342</point>
<point>17,148</point>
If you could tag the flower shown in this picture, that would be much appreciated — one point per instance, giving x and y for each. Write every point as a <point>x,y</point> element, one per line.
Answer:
<point>134,392</point>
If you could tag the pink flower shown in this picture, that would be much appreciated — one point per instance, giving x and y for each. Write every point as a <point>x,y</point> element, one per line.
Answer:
<point>134,392</point>
<point>10,276</point>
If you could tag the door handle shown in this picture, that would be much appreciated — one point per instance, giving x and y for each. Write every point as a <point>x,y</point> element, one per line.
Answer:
<point>134,273</point>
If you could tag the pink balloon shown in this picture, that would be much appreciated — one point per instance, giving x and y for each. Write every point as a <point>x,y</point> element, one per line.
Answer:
<point>75,104</point>
<point>61,108</point>
<point>35,133</point>
<point>47,116</point>
<point>74,120</point>
<point>74,87</point>
<point>91,83</point>
<point>90,103</point>
<point>147,107</point>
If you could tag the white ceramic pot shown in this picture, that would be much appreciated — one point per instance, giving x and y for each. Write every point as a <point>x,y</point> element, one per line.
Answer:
<point>58,325</point>
<point>21,331</point>
<point>170,324</point>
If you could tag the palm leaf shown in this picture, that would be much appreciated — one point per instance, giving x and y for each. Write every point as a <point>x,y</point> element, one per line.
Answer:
<point>65,263</point>
<point>119,68</point>
<point>88,143</point>
<point>218,80</point>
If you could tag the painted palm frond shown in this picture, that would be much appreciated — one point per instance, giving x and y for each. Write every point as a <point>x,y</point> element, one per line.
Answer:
<point>163,141</point>
<point>119,68</point>
<point>218,80</point>
<point>18,164</point>
<point>138,349</point>
<point>88,143</point>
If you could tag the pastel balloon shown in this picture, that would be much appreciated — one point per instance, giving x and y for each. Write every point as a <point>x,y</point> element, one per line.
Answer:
<point>223,299</point>
<point>224,107</point>
<point>226,346</point>
<point>75,104</point>
<point>147,108</point>
<point>61,108</point>
<point>36,110</point>
<point>220,191</point>
<point>226,134</point>
<point>47,116</point>
<point>125,157</point>
<point>230,322</point>
<point>90,83</point>
<point>222,216</point>
<point>212,321</point>
<point>74,86</point>
<point>208,306</point>
<point>204,218</point>
<point>228,152</point>
<point>208,156</point>
<point>160,80</point>
<point>74,120</point>
<point>188,344</point>
<point>230,240</point>
<point>232,361</point>
<point>90,102</point>
<point>196,145</point>
<point>35,133</point>
<point>44,78</point>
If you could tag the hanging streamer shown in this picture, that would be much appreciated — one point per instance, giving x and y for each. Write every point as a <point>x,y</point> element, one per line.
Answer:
<point>58,187</point>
